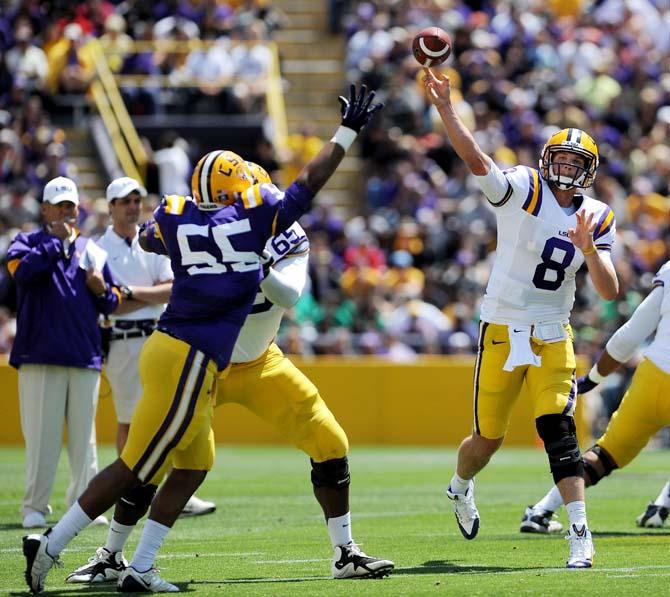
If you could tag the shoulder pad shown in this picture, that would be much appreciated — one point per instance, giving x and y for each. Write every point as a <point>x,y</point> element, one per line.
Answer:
<point>174,204</point>
<point>261,193</point>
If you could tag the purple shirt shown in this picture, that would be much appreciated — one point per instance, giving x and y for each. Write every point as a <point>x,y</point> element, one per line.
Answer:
<point>57,315</point>
<point>215,260</point>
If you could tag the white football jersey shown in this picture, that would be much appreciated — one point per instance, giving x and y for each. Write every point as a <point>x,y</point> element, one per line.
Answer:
<point>289,251</point>
<point>533,276</point>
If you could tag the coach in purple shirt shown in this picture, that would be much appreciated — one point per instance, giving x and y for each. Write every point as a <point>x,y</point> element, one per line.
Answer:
<point>62,286</point>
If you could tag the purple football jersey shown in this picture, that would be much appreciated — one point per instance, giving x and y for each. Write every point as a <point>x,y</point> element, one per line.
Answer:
<point>216,264</point>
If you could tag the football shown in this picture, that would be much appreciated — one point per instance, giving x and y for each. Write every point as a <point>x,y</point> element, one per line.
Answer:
<point>431,46</point>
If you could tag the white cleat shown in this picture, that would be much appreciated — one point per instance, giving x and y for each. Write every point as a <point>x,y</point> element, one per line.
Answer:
<point>654,517</point>
<point>104,566</point>
<point>581,547</point>
<point>132,581</point>
<point>537,520</point>
<point>467,515</point>
<point>38,561</point>
<point>350,562</point>
<point>197,507</point>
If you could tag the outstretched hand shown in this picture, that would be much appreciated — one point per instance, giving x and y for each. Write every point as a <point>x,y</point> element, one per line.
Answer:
<point>358,109</point>
<point>438,88</point>
<point>582,234</point>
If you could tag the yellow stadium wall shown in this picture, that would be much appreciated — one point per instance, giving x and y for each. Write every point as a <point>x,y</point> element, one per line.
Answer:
<point>376,402</point>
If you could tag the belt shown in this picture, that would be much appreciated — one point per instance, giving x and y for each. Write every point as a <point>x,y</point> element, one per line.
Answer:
<point>130,334</point>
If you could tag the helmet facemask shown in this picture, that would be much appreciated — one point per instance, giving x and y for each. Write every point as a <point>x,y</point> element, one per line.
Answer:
<point>563,180</point>
<point>572,141</point>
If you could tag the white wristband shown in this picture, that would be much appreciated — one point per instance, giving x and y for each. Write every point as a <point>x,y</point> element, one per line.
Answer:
<point>344,137</point>
<point>594,374</point>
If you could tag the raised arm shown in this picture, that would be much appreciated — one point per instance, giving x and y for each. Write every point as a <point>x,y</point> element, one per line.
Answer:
<point>438,91</point>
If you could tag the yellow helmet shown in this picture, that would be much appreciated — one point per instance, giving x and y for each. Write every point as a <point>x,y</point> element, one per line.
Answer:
<point>219,178</point>
<point>258,173</point>
<point>574,141</point>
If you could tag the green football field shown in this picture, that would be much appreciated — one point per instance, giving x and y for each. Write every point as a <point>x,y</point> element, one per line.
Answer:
<point>268,538</point>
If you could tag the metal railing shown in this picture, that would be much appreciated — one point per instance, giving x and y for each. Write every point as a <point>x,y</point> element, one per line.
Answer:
<point>126,142</point>
<point>107,98</point>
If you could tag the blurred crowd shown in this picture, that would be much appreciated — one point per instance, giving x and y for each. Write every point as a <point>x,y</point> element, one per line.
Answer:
<point>404,277</point>
<point>46,60</point>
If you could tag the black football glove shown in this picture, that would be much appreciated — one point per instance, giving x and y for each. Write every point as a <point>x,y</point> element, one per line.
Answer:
<point>585,384</point>
<point>358,109</point>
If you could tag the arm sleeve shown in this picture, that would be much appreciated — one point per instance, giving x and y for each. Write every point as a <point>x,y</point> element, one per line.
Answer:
<point>27,263</point>
<point>641,325</point>
<point>286,281</point>
<point>495,185</point>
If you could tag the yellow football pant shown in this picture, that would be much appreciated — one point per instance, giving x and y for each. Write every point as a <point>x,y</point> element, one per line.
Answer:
<point>552,386</point>
<point>273,388</point>
<point>644,410</point>
<point>171,424</point>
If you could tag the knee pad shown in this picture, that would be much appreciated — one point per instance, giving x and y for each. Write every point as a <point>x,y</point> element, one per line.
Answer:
<point>558,432</point>
<point>606,462</point>
<point>137,500</point>
<point>331,473</point>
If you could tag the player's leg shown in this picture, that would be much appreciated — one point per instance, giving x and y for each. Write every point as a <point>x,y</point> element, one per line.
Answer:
<point>42,400</point>
<point>108,561</point>
<point>495,392</point>
<point>279,393</point>
<point>124,381</point>
<point>192,459</point>
<point>553,387</point>
<point>176,379</point>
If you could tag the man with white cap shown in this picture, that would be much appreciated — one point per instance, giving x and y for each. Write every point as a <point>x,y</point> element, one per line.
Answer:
<point>63,284</point>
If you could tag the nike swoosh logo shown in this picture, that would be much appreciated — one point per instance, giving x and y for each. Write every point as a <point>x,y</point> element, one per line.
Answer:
<point>517,331</point>
<point>498,342</point>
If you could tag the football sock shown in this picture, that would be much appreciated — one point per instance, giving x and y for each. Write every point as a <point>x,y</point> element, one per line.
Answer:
<point>552,501</point>
<point>152,538</point>
<point>663,498</point>
<point>458,485</point>
<point>576,513</point>
<point>117,536</point>
<point>339,529</point>
<point>67,528</point>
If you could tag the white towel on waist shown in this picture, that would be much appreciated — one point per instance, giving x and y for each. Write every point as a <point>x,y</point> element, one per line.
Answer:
<point>520,351</point>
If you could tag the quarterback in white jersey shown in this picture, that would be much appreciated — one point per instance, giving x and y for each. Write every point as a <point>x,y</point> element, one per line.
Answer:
<point>644,410</point>
<point>546,230</point>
